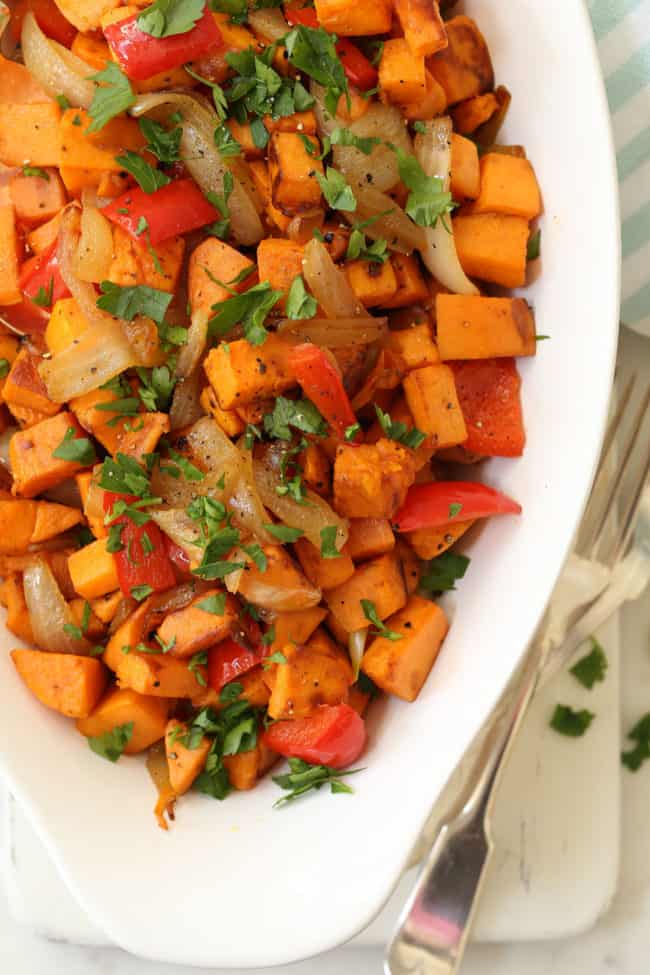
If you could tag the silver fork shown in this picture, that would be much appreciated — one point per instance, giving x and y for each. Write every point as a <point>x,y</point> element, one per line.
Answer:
<point>432,931</point>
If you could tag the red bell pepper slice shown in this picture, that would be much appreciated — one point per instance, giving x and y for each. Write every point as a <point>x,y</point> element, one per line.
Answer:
<point>174,209</point>
<point>321,383</point>
<point>334,736</point>
<point>140,55</point>
<point>358,69</point>
<point>178,557</point>
<point>442,502</point>
<point>26,317</point>
<point>229,660</point>
<point>135,564</point>
<point>48,17</point>
<point>488,392</point>
<point>42,272</point>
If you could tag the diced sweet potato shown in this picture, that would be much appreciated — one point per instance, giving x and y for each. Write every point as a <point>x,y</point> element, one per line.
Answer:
<point>401,72</point>
<point>9,288</point>
<point>66,324</point>
<point>486,134</point>
<point>105,607</point>
<point>422,24</point>
<point>229,421</point>
<point>296,627</point>
<point>121,706</point>
<point>29,134</point>
<point>9,348</point>
<point>212,262</point>
<point>242,374</point>
<point>30,453</point>
<point>37,198</point>
<point>369,537</point>
<point>374,284</point>
<point>158,675</point>
<point>141,435</point>
<point>279,261</point>
<point>322,573</point>
<point>304,122</point>
<point>371,480</point>
<point>282,574</point>
<point>411,286</point>
<point>93,628</point>
<point>433,403</point>
<point>241,133</point>
<point>136,262</point>
<point>259,172</point>
<point>413,348</point>
<point>24,386</point>
<point>308,679</point>
<point>428,543</point>
<point>379,580</point>
<point>92,570</point>
<point>192,629</point>
<point>492,246</point>
<point>95,521</point>
<point>246,768</point>
<point>18,86</point>
<point>464,67</point>
<point>473,327</point>
<point>64,682</point>
<point>488,392</point>
<point>316,469</point>
<point>321,642</point>
<point>292,171</point>
<point>184,763</point>
<point>356,19</point>
<point>91,49</point>
<point>465,170</point>
<point>471,113</point>
<point>88,15</point>
<point>44,236</point>
<point>95,150</point>
<point>508,185</point>
<point>17,620</point>
<point>433,103</point>
<point>409,564</point>
<point>359,700</point>
<point>402,666</point>
<point>24,523</point>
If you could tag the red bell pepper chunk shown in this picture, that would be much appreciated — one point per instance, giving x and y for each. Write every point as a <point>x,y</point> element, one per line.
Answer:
<point>358,69</point>
<point>321,383</point>
<point>229,660</point>
<point>26,317</point>
<point>174,209</point>
<point>135,564</point>
<point>178,557</point>
<point>334,736</point>
<point>488,392</point>
<point>41,274</point>
<point>442,502</point>
<point>140,55</point>
<point>48,17</point>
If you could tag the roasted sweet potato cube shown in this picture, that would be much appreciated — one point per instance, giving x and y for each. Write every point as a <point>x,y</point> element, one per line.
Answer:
<point>411,285</point>
<point>121,706</point>
<point>279,262</point>
<point>413,348</point>
<point>296,627</point>
<point>30,453</point>
<point>402,666</point>
<point>316,468</point>
<point>464,67</point>
<point>64,682</point>
<point>428,543</point>
<point>184,763</point>
<point>379,580</point>
<point>140,436</point>
<point>229,421</point>
<point>465,170</point>
<point>371,480</point>
<point>433,403</point>
<point>246,768</point>
<point>91,49</point>
<point>374,284</point>
<point>473,112</point>
<point>307,680</point>
<point>473,327</point>
<point>369,537</point>
<point>189,630</point>
<point>44,236</point>
<point>422,24</point>
<point>105,607</point>
<point>509,186</point>
<point>37,198</point>
<point>24,386</point>
<point>92,570</point>
<point>282,574</point>
<point>294,187</point>
<point>242,374</point>
<point>29,134</point>
<point>304,122</point>
<point>323,573</point>
<point>9,285</point>
<point>137,262</point>
<point>409,564</point>
<point>96,150</point>
<point>401,73</point>
<point>355,19</point>
<point>492,246</point>
<point>24,523</point>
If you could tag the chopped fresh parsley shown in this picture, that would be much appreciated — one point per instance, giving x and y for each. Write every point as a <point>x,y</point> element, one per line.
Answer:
<point>215,604</point>
<point>77,632</point>
<point>147,177</point>
<point>114,542</point>
<point>257,89</point>
<point>304,777</point>
<point>43,297</point>
<point>442,572</point>
<point>123,475</point>
<point>230,692</point>
<point>300,304</point>
<point>167,18</point>
<point>111,98</point>
<point>141,592</point>
<point>139,299</point>
<point>336,190</point>
<point>352,431</point>
<point>313,51</point>
<point>221,228</point>
<point>233,730</point>
<point>640,752</point>
<point>77,449</point>
<point>592,668</point>
<point>249,308</point>
<point>63,102</point>
<point>259,133</point>
<point>182,467</point>
<point>112,743</point>
<point>36,171</point>
<point>300,414</point>
<point>370,613</point>
<point>427,201</point>
<point>213,565</point>
<point>534,247</point>
<point>218,96</point>
<point>455,509</point>
<point>571,723</point>
<point>328,549</point>
<point>251,434</point>
<point>345,137</point>
<point>358,248</point>
<point>275,658</point>
<point>258,555</point>
<point>5,366</point>
<point>197,660</point>
<point>284,533</point>
<point>163,143</point>
<point>225,142</point>
<point>398,431</point>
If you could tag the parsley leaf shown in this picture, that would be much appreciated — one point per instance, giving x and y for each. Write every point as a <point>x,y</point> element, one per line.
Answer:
<point>427,200</point>
<point>166,18</point>
<point>225,141</point>
<point>148,178</point>
<point>571,723</point>
<point>328,549</point>
<point>313,51</point>
<point>592,668</point>
<point>300,303</point>
<point>111,98</point>
<point>184,467</point>
<point>230,692</point>
<point>358,248</point>
<point>304,777</point>
<point>77,449</point>
<point>345,137</point>
<point>443,571</point>
<point>300,414</point>
<point>114,542</point>
<point>250,308</point>
<point>534,246</point>
<point>284,533</point>
<point>63,102</point>
<point>455,509</point>
<point>636,756</point>
<point>123,475</point>
<point>127,302</point>
<point>221,228</point>
<point>197,660</point>
<point>370,613</point>
<point>398,431</point>
<point>215,604</point>
<point>352,431</point>
<point>5,366</point>
<point>43,297</point>
<point>336,190</point>
<point>213,565</point>
<point>36,171</point>
<point>141,592</point>
<point>111,744</point>
<point>163,143</point>
<point>275,658</point>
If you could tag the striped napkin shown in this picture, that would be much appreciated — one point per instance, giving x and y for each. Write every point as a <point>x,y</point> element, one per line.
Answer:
<point>622,30</point>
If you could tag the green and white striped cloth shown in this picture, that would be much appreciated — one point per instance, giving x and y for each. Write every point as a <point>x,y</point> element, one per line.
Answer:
<point>622,29</point>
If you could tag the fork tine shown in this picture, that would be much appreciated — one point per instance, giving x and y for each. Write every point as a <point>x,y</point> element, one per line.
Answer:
<point>628,520</point>
<point>628,455</point>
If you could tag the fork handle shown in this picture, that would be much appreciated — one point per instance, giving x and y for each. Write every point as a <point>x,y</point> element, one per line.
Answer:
<point>432,932</point>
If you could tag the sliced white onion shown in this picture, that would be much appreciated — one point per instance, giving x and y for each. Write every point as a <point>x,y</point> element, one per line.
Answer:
<point>328,284</point>
<point>158,769</point>
<point>356,647</point>
<point>99,355</point>
<point>268,23</point>
<point>256,590</point>
<point>186,403</point>
<point>249,514</point>
<point>394,225</point>
<point>58,70</point>
<point>182,530</point>
<point>94,256</point>
<point>191,353</point>
<point>48,611</point>
<point>215,454</point>
<point>335,333</point>
<point>203,160</point>
<point>433,151</point>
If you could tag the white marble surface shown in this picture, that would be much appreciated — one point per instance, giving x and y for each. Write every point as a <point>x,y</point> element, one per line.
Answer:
<point>619,943</point>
